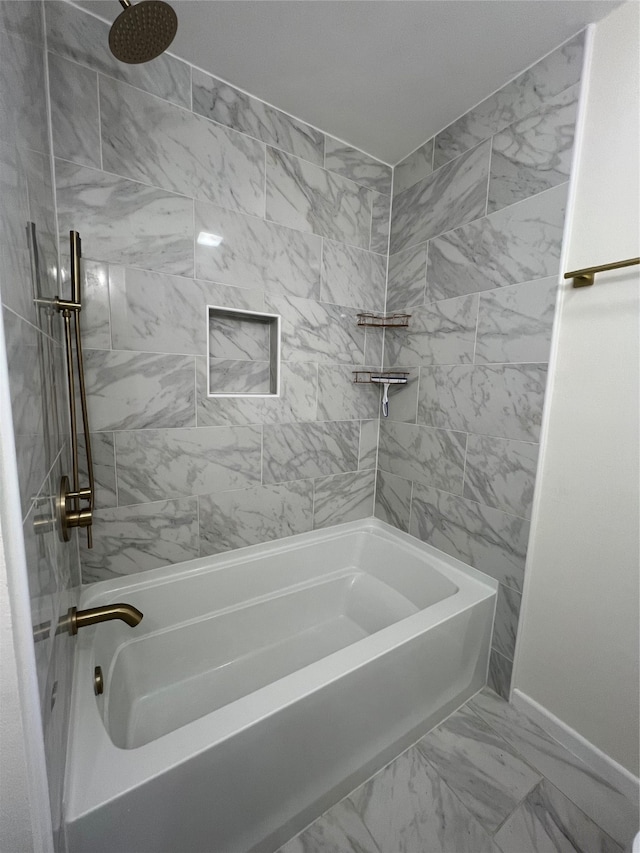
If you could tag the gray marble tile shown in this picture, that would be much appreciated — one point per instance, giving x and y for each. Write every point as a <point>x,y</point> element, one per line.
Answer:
<point>451,196</point>
<point>249,516</point>
<point>125,222</point>
<point>373,346</point>
<point>23,93</point>
<point>500,400</point>
<point>130,390</point>
<point>340,830</point>
<point>233,376</point>
<point>225,105</point>
<point>433,457</point>
<point>343,497</point>
<point>414,167</point>
<point>506,622</point>
<point>313,331</point>
<point>352,276</point>
<point>525,94</point>
<point>603,803</point>
<point>515,323</point>
<point>22,18</point>
<point>357,166</point>
<point>489,540</point>
<point>297,400</point>
<point>17,284</point>
<point>104,468</point>
<point>393,500</point>
<point>501,473</point>
<point>340,399</point>
<point>238,338</point>
<point>440,333</point>
<point>155,464</point>
<point>305,450</point>
<point>95,319</point>
<point>75,122</point>
<point>407,278</point>
<point>42,213</point>
<point>165,313</point>
<point>548,822</point>
<point>368,448</point>
<point>380,222</point>
<point>408,808</point>
<point>534,154</point>
<point>309,198</point>
<point>518,244</point>
<point>255,253</point>
<point>480,767</point>
<point>184,153</point>
<point>76,35</point>
<point>130,539</point>
<point>499,678</point>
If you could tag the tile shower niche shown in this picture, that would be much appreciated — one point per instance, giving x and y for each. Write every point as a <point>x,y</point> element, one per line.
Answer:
<point>243,353</point>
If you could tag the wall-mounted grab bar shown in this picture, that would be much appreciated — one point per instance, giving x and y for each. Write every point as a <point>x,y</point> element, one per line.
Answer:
<point>70,512</point>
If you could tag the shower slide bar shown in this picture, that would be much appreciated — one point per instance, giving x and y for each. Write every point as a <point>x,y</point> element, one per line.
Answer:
<point>69,511</point>
<point>585,277</point>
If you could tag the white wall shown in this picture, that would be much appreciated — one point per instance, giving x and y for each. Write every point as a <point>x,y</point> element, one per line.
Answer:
<point>577,653</point>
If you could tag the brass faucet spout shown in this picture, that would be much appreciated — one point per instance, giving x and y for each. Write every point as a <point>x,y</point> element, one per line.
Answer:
<point>81,618</point>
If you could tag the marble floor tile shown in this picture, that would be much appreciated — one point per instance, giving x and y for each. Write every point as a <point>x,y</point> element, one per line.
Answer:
<point>548,822</point>
<point>237,110</point>
<point>480,767</point>
<point>408,808</point>
<point>343,497</point>
<point>357,166</point>
<point>414,167</point>
<point>317,449</point>
<point>380,222</point>
<point>309,198</point>
<point>340,830</point>
<point>352,276</point>
<point>501,473</point>
<point>407,278</point>
<point>393,500</point>
<point>603,803</point>
<point>432,457</point>
<point>75,121</point>
<point>185,153</point>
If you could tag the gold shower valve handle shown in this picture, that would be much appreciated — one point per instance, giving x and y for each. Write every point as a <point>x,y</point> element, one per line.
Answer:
<point>69,515</point>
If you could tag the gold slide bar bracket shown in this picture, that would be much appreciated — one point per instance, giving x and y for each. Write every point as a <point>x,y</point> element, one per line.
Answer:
<point>585,277</point>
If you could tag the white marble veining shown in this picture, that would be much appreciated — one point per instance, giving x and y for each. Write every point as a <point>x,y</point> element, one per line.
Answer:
<point>534,154</point>
<point>518,244</point>
<point>393,500</point>
<point>95,320</point>
<point>104,468</point>
<point>368,447</point>
<point>487,776</point>
<point>314,331</point>
<point>184,152</point>
<point>501,400</point>
<point>297,400</point>
<point>132,539</point>
<point>75,35</point>
<point>250,516</point>
<point>380,222</point>
<point>226,105</point>
<point>413,168</point>
<point>441,333</point>
<point>125,222</point>
<point>432,457</point>
<point>155,464</point>
<point>506,621</point>
<point>42,214</point>
<point>501,473</point>
<point>131,390</point>
<point>352,276</point>
<point>304,450</point>
<point>340,399</point>
<point>75,122</point>
<point>234,376</point>
<point>452,195</point>
<point>340,830</point>
<point>407,278</point>
<point>515,322</point>
<point>522,96</point>
<point>357,166</point>
<point>499,677</point>
<point>238,337</point>
<point>489,540</point>
<point>309,198</point>
<point>22,18</point>
<point>23,72</point>
<point>342,498</point>
<point>255,253</point>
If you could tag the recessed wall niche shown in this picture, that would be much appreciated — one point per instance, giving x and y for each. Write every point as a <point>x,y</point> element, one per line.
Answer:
<point>243,353</point>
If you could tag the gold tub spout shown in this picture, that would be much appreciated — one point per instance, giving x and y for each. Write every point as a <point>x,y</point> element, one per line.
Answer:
<point>81,618</point>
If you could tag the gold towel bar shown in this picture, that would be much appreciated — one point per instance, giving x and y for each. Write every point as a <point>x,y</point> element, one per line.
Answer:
<point>583,278</point>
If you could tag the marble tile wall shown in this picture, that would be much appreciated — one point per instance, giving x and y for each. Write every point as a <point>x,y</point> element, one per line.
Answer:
<point>146,160</point>
<point>37,379</point>
<point>476,232</point>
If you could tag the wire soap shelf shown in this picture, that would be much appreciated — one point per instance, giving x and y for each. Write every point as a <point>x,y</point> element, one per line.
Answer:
<point>386,378</point>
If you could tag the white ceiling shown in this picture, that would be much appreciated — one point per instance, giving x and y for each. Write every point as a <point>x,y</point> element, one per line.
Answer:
<point>383,75</point>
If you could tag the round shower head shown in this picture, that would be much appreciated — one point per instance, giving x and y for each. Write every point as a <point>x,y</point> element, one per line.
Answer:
<point>143,31</point>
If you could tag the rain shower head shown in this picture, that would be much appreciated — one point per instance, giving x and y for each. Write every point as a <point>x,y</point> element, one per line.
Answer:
<point>143,31</point>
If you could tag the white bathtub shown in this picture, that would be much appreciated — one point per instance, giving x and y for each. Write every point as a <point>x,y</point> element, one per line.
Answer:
<point>264,685</point>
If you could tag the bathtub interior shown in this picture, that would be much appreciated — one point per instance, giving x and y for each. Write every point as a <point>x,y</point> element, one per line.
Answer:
<point>224,634</point>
